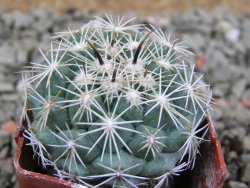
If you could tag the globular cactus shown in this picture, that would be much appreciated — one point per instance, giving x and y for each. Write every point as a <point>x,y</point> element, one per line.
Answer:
<point>115,104</point>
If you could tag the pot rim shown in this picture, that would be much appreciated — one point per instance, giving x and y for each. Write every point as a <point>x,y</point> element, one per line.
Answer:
<point>33,175</point>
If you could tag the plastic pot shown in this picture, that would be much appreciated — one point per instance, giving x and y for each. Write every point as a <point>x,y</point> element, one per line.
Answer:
<point>209,171</point>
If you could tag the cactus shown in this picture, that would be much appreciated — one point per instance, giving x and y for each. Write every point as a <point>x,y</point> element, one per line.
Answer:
<point>116,104</point>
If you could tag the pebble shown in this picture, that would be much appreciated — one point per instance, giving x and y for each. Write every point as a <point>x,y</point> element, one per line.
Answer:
<point>237,72</point>
<point>9,127</point>
<point>9,97</point>
<point>4,151</point>
<point>217,114</point>
<point>6,166</point>
<point>233,35</point>
<point>215,57</point>
<point>247,75</point>
<point>232,155</point>
<point>245,158</point>
<point>246,94</point>
<point>1,77</point>
<point>9,111</point>
<point>7,55</point>
<point>246,143</point>
<point>22,20</point>
<point>236,115</point>
<point>22,57</point>
<point>197,45</point>
<point>4,139</point>
<point>246,32</point>
<point>236,184</point>
<point>217,75</point>
<point>3,69</point>
<point>44,24</point>
<point>4,144</point>
<point>221,89</point>
<point>6,87</point>
<point>239,87</point>
<point>246,174</point>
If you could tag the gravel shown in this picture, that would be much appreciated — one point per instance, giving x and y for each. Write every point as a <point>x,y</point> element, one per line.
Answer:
<point>218,37</point>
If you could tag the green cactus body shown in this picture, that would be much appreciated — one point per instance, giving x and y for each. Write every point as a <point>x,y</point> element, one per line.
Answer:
<point>116,105</point>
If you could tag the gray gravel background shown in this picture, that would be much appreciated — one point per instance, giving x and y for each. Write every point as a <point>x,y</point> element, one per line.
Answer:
<point>220,40</point>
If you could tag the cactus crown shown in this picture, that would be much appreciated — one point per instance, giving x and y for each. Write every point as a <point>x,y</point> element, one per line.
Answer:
<point>116,104</point>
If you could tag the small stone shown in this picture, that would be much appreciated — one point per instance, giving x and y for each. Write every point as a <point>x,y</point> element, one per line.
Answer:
<point>229,51</point>
<point>4,152</point>
<point>246,32</point>
<point>8,112</point>
<point>233,35</point>
<point>6,166</point>
<point>245,39</point>
<point>247,75</point>
<point>29,43</point>
<point>4,182</point>
<point>239,87</point>
<point>3,68</point>
<point>13,147</point>
<point>236,184</point>
<point>200,62</point>
<point>217,114</point>
<point>221,103</point>
<point>246,94</point>
<point>235,136</point>
<point>246,143</point>
<point>239,48</point>
<point>4,145</point>
<point>236,113</point>
<point>195,41</point>
<point>9,97</point>
<point>6,87</point>
<point>4,138</point>
<point>220,89</point>
<point>216,75</point>
<point>245,102</point>
<point>22,57</point>
<point>1,77</point>
<point>4,34</point>
<point>245,158</point>
<point>220,126</point>
<point>236,71</point>
<point>232,155</point>
<point>9,127</point>
<point>246,174</point>
<point>245,24</point>
<point>46,25</point>
<point>7,55</point>
<point>222,26</point>
<point>22,20</point>
<point>7,20</point>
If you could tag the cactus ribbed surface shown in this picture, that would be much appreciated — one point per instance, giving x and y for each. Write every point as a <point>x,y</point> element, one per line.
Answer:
<point>116,104</point>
